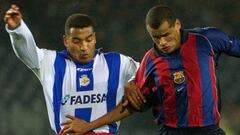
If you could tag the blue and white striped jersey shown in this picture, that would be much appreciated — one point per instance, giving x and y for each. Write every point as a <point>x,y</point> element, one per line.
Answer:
<point>87,91</point>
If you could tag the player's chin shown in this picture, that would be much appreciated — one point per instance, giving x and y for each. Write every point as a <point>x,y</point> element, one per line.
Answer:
<point>169,50</point>
<point>85,60</point>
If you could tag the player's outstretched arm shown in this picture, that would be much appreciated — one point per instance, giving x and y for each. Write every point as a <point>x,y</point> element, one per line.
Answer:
<point>80,127</point>
<point>13,17</point>
<point>21,37</point>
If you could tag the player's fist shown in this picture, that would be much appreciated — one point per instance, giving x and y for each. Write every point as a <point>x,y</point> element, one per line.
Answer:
<point>133,95</point>
<point>13,17</point>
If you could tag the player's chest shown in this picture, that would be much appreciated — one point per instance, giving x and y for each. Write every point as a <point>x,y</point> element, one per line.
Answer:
<point>85,77</point>
<point>179,66</point>
<point>84,85</point>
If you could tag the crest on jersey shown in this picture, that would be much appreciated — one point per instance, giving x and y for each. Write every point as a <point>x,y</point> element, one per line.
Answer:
<point>84,80</point>
<point>179,77</point>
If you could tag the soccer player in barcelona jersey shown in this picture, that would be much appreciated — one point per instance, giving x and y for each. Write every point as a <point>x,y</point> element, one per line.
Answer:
<point>79,82</point>
<point>176,78</point>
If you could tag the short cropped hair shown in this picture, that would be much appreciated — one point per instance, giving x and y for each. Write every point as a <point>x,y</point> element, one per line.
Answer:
<point>78,21</point>
<point>158,14</point>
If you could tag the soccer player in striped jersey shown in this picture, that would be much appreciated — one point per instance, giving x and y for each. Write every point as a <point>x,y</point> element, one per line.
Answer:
<point>79,82</point>
<point>177,77</point>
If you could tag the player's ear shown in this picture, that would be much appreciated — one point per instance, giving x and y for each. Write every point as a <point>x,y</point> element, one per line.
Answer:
<point>178,24</point>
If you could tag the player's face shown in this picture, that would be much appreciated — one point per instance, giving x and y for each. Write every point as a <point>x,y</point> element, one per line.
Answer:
<point>81,43</point>
<point>166,37</point>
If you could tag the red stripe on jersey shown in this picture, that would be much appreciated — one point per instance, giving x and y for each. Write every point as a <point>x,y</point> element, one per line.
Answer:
<point>169,103</point>
<point>214,90</point>
<point>194,89</point>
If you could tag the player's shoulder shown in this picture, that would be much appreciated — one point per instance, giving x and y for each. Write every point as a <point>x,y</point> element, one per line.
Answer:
<point>110,54</point>
<point>113,56</point>
<point>150,54</point>
<point>101,51</point>
<point>203,30</point>
<point>207,32</point>
<point>63,54</point>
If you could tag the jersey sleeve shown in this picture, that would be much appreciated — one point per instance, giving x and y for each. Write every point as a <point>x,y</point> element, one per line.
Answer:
<point>223,43</point>
<point>25,48</point>
<point>144,79</point>
<point>129,66</point>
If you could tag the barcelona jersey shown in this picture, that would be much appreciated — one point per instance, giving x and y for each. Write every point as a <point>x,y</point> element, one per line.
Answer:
<point>181,87</point>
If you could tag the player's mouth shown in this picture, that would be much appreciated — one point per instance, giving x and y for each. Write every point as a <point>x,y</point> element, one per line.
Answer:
<point>85,55</point>
<point>165,48</point>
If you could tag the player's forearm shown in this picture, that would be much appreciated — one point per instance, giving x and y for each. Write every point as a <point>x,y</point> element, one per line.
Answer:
<point>117,114</point>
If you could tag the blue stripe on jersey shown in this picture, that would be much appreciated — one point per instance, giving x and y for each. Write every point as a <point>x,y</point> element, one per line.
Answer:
<point>84,80</point>
<point>83,113</point>
<point>181,91</point>
<point>159,115</point>
<point>59,66</point>
<point>207,95</point>
<point>149,68</point>
<point>113,62</point>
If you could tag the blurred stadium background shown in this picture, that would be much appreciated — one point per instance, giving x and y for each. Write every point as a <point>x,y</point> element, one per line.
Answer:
<point>120,27</point>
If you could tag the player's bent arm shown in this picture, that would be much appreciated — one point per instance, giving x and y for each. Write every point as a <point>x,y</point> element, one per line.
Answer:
<point>24,45</point>
<point>116,114</point>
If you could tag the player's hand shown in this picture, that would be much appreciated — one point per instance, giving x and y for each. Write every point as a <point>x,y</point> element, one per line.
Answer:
<point>13,17</point>
<point>133,95</point>
<point>74,126</point>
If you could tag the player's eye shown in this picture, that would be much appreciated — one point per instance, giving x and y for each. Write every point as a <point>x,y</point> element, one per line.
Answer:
<point>165,35</point>
<point>89,39</point>
<point>75,40</point>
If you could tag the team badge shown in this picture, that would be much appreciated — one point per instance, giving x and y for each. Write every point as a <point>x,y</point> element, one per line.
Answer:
<point>84,80</point>
<point>178,77</point>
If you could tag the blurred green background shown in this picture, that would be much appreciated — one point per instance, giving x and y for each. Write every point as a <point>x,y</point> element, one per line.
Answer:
<point>120,27</point>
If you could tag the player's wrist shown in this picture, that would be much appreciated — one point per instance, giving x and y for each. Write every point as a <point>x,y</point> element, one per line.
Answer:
<point>90,126</point>
<point>13,26</point>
